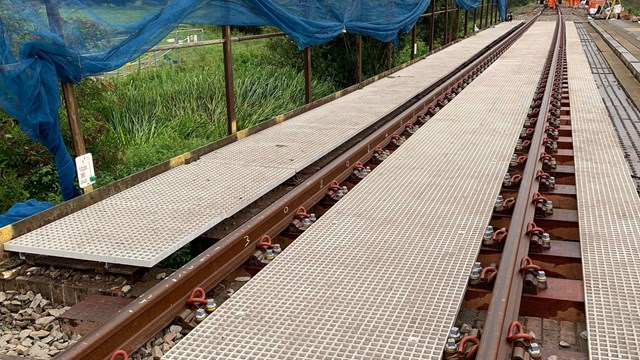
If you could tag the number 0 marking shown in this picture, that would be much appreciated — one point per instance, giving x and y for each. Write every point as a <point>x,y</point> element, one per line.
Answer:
<point>286,209</point>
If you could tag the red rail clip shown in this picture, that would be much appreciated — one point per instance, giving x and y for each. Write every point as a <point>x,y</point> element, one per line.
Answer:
<point>472,352</point>
<point>123,354</point>
<point>520,335</point>
<point>195,299</point>
<point>527,264</point>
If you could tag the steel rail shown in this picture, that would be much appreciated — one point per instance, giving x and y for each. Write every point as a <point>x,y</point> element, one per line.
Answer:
<point>158,307</point>
<point>507,292</point>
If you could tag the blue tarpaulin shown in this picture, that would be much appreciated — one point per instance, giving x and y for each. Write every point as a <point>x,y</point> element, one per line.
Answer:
<point>47,41</point>
<point>23,210</point>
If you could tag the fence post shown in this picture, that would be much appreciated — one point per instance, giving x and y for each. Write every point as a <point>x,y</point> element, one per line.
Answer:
<point>68,92</point>
<point>481,13</point>
<point>389,56</point>
<point>446,22</point>
<point>466,22</point>
<point>228,81</point>
<point>359,57</point>
<point>307,75</point>
<point>433,24</point>
<point>474,18</point>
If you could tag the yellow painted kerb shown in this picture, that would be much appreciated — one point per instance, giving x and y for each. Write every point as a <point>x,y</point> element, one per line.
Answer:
<point>6,234</point>
<point>178,160</point>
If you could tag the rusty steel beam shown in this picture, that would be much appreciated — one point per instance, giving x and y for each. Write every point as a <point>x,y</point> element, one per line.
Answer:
<point>506,295</point>
<point>307,75</point>
<point>230,95</point>
<point>156,308</point>
<point>358,59</point>
<point>432,24</point>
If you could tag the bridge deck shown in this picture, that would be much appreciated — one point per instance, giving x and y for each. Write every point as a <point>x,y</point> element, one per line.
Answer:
<point>382,274</point>
<point>608,208</point>
<point>146,223</point>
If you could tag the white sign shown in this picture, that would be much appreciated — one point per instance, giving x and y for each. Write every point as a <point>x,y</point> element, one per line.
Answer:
<point>84,167</point>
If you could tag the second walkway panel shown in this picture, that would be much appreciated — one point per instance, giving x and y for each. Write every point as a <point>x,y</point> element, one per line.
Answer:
<point>382,274</point>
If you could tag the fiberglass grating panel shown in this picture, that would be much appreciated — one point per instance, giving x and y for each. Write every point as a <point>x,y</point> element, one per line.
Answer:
<point>608,210</point>
<point>381,275</point>
<point>161,214</point>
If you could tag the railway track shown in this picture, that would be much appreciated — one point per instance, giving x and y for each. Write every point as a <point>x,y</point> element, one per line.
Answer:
<point>533,236</point>
<point>537,202</point>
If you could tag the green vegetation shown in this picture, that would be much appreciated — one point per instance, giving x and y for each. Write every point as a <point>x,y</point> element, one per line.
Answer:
<point>133,122</point>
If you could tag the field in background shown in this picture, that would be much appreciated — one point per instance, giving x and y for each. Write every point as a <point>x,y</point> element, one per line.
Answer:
<point>133,122</point>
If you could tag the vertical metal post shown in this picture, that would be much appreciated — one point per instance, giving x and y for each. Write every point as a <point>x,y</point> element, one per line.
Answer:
<point>481,13</point>
<point>446,22</point>
<point>228,81</point>
<point>456,31</point>
<point>432,24</point>
<point>474,18</point>
<point>389,56</point>
<point>359,57</point>
<point>466,22</point>
<point>486,19</point>
<point>307,75</point>
<point>414,44</point>
<point>68,92</point>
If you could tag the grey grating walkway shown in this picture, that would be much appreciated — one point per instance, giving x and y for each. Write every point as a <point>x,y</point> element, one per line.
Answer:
<point>609,214</point>
<point>382,274</point>
<point>624,114</point>
<point>144,224</point>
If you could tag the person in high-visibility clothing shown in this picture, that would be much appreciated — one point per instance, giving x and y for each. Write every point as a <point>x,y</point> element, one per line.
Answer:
<point>552,4</point>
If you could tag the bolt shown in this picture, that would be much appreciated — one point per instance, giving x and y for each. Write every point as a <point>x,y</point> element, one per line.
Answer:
<point>542,280</point>
<point>306,222</point>
<point>451,347</point>
<point>554,164</point>
<point>345,190</point>
<point>488,235</point>
<point>506,181</point>
<point>519,145</point>
<point>211,306</point>
<point>548,208</point>
<point>534,350</point>
<point>552,182</point>
<point>340,193</point>
<point>498,204</point>
<point>312,217</point>
<point>455,334</point>
<point>200,315</point>
<point>546,239</point>
<point>514,160</point>
<point>270,255</point>
<point>277,249</point>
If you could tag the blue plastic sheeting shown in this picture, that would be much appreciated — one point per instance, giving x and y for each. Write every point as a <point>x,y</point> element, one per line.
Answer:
<point>23,210</point>
<point>47,41</point>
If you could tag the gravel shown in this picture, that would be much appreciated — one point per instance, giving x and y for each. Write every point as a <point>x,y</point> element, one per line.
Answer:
<point>30,326</point>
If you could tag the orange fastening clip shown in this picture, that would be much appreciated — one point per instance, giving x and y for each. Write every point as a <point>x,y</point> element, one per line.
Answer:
<point>358,166</point>
<point>521,159</point>
<point>515,179</point>
<point>527,264</point>
<point>335,186</point>
<point>508,203</point>
<point>492,270</point>
<point>541,174</point>
<point>301,213</point>
<point>472,352</point>
<point>520,335</point>
<point>526,143</point>
<point>499,236</point>
<point>121,353</point>
<point>378,150</point>
<point>265,242</point>
<point>197,297</point>
<point>538,197</point>
<point>544,156</point>
<point>533,228</point>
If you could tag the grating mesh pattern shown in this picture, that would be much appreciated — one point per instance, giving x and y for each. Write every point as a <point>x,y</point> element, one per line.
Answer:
<point>381,275</point>
<point>144,224</point>
<point>608,212</point>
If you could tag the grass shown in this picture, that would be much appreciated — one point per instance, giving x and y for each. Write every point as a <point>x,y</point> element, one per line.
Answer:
<point>164,112</point>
